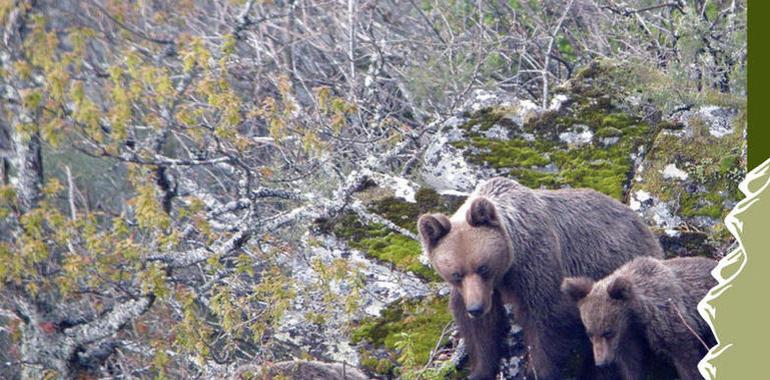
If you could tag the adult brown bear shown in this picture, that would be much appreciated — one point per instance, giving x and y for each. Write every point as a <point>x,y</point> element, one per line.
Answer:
<point>647,307</point>
<point>508,244</point>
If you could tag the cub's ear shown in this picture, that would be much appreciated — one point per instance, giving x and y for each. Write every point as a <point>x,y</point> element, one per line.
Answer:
<point>433,227</point>
<point>482,213</point>
<point>620,289</point>
<point>577,288</point>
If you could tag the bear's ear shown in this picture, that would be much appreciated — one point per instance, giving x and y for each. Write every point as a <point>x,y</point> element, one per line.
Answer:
<point>620,289</point>
<point>432,228</point>
<point>482,213</point>
<point>577,288</point>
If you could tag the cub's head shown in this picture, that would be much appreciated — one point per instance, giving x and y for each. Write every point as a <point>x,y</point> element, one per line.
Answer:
<point>469,251</point>
<point>605,311</point>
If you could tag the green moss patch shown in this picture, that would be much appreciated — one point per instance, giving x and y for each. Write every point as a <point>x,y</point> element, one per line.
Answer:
<point>416,324</point>
<point>378,241</point>
<point>608,132</point>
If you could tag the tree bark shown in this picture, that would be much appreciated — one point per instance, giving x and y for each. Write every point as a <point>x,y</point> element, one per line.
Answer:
<point>28,161</point>
<point>27,157</point>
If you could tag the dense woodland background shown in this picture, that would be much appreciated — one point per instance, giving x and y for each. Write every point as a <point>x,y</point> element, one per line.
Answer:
<point>191,189</point>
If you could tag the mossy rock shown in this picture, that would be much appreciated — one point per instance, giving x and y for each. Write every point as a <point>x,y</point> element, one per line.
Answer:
<point>405,214</point>
<point>714,168</point>
<point>711,162</point>
<point>609,132</point>
<point>379,242</point>
<point>538,157</point>
<point>420,321</point>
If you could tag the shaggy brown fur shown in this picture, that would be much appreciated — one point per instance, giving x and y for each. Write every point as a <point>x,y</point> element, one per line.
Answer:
<point>647,306</point>
<point>511,244</point>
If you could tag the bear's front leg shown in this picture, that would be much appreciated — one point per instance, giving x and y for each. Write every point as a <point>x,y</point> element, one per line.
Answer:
<point>543,359</point>
<point>484,336</point>
<point>630,358</point>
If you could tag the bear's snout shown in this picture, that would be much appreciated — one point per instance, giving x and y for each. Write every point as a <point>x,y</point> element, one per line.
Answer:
<point>475,310</point>
<point>602,353</point>
<point>476,295</point>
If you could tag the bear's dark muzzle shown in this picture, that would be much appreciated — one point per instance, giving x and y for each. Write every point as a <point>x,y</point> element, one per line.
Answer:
<point>475,310</point>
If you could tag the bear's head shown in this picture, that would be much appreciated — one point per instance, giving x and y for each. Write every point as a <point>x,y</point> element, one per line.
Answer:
<point>470,251</point>
<point>604,310</point>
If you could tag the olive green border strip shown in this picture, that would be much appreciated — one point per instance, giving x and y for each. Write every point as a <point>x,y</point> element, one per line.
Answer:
<point>737,308</point>
<point>758,83</point>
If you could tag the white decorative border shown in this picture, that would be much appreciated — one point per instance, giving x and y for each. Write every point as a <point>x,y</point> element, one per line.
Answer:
<point>737,257</point>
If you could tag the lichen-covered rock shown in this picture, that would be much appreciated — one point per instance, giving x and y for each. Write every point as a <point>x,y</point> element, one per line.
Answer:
<point>443,165</point>
<point>331,297</point>
<point>578,134</point>
<point>719,121</point>
<point>689,180</point>
<point>513,365</point>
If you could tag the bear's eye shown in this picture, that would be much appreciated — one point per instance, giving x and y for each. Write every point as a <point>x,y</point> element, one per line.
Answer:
<point>608,334</point>
<point>483,270</point>
<point>456,277</point>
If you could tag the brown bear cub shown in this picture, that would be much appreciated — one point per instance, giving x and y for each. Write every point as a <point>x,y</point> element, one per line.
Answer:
<point>509,244</point>
<point>648,306</point>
